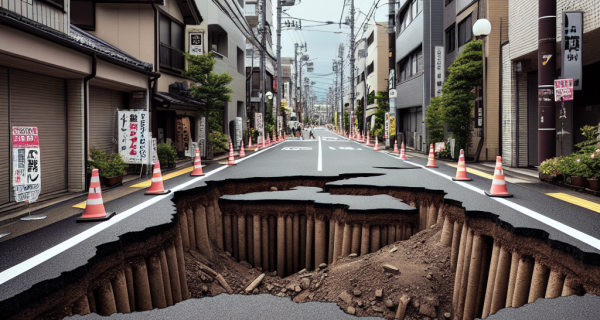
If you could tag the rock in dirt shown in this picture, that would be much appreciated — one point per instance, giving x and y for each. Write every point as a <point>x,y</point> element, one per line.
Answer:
<point>447,315</point>
<point>269,287</point>
<point>323,265</point>
<point>346,297</point>
<point>297,288</point>
<point>304,283</point>
<point>394,249</point>
<point>255,283</point>
<point>389,303</point>
<point>427,310</point>
<point>273,188</point>
<point>306,275</point>
<point>301,297</point>
<point>379,293</point>
<point>377,309</point>
<point>359,303</point>
<point>353,255</point>
<point>390,268</point>
<point>402,305</point>
<point>351,310</point>
<point>357,292</point>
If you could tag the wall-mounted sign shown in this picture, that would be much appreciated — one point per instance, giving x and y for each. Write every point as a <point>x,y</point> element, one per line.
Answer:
<point>26,173</point>
<point>563,89</point>
<point>201,125</point>
<point>260,126</point>
<point>133,135</point>
<point>238,133</point>
<point>393,93</point>
<point>387,125</point>
<point>571,48</point>
<point>439,70</point>
<point>392,80</point>
<point>196,43</point>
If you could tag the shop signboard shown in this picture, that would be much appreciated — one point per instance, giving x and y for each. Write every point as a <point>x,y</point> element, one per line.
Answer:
<point>154,150</point>
<point>479,107</point>
<point>238,133</point>
<point>563,90</point>
<point>439,70</point>
<point>26,173</point>
<point>279,123</point>
<point>201,138</point>
<point>571,44</point>
<point>387,125</point>
<point>260,126</point>
<point>196,44</point>
<point>133,135</point>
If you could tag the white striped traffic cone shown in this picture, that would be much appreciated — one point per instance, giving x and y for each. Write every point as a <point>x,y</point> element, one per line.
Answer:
<point>94,206</point>
<point>157,186</point>
<point>231,159</point>
<point>376,144</point>
<point>461,170</point>
<point>197,165</point>
<point>431,159</point>
<point>402,152</point>
<point>242,152</point>
<point>498,183</point>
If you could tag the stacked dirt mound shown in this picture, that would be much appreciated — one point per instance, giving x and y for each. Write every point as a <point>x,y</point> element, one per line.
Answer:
<point>418,268</point>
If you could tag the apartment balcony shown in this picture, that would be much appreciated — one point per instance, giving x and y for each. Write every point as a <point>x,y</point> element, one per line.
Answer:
<point>171,58</point>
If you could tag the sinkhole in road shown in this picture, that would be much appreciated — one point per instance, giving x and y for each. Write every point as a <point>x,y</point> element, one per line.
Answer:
<point>391,252</point>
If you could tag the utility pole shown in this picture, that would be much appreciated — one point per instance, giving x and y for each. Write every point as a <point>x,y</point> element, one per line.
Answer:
<point>352,61</point>
<point>546,75</point>
<point>392,65</point>
<point>279,72</point>
<point>262,29</point>
<point>341,55</point>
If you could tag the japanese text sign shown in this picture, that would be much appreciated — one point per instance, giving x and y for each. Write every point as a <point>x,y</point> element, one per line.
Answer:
<point>26,173</point>
<point>133,135</point>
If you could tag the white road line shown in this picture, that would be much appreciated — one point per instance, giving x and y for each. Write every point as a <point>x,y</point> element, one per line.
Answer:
<point>332,148</point>
<point>40,258</point>
<point>320,161</point>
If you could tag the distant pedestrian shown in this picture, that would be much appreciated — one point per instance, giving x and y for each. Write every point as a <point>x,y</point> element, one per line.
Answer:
<point>312,136</point>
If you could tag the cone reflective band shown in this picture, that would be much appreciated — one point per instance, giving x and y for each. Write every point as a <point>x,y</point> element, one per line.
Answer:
<point>231,159</point>
<point>498,183</point>
<point>461,170</point>
<point>157,186</point>
<point>197,165</point>
<point>402,152</point>
<point>242,152</point>
<point>376,144</point>
<point>396,147</point>
<point>94,206</point>
<point>431,159</point>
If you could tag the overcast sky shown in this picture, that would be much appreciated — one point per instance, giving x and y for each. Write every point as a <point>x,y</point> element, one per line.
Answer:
<point>321,41</point>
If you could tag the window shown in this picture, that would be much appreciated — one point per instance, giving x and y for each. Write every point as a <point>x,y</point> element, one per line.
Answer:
<point>401,22</point>
<point>420,6</point>
<point>465,32</point>
<point>451,39</point>
<point>417,58</point>
<point>240,61</point>
<point>371,68</point>
<point>409,14</point>
<point>82,14</point>
<point>371,39</point>
<point>217,38</point>
<point>415,9</point>
<point>171,43</point>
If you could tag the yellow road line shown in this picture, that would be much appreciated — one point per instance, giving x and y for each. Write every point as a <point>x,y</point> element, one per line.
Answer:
<point>147,183</point>
<point>472,171</point>
<point>576,201</point>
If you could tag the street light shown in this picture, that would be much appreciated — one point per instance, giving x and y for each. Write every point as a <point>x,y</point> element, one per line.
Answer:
<point>482,28</point>
<point>269,95</point>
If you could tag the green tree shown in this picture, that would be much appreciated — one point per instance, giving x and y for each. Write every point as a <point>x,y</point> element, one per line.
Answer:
<point>359,113</point>
<point>383,106</point>
<point>371,98</point>
<point>346,121</point>
<point>210,87</point>
<point>458,96</point>
<point>434,118</point>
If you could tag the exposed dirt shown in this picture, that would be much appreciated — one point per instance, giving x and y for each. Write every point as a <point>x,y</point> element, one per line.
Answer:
<point>352,283</point>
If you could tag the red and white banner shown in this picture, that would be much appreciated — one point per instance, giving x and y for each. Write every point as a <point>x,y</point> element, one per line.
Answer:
<point>26,173</point>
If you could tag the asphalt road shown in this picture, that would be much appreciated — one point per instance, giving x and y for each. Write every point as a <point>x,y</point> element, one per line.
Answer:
<point>66,246</point>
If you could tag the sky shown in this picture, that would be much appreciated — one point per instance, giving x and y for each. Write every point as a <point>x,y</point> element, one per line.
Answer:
<point>322,41</point>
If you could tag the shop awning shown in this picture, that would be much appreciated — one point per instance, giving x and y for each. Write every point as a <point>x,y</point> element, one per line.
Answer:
<point>169,99</point>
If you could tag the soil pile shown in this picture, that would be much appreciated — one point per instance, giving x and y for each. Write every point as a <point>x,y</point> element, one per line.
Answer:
<point>359,285</point>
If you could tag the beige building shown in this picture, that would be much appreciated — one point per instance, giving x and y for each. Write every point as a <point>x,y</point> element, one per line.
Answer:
<point>66,82</point>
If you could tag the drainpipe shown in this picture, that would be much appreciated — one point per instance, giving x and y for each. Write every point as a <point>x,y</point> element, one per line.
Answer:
<point>86,121</point>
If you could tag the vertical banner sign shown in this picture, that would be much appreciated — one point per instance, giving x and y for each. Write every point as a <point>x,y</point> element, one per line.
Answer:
<point>571,48</point>
<point>479,107</point>
<point>279,123</point>
<point>196,43</point>
<point>27,181</point>
<point>133,135</point>
<point>201,125</point>
<point>260,126</point>
<point>154,150</point>
<point>439,70</point>
<point>563,89</point>
<point>387,126</point>
<point>238,133</point>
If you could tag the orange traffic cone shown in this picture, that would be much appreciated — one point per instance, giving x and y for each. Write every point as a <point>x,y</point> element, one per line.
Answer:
<point>368,139</point>
<point>461,170</point>
<point>402,152</point>
<point>396,147</point>
<point>197,165</point>
<point>157,182</point>
<point>231,159</point>
<point>498,184</point>
<point>249,142</point>
<point>242,152</point>
<point>94,206</point>
<point>431,159</point>
<point>376,144</point>
<point>268,141</point>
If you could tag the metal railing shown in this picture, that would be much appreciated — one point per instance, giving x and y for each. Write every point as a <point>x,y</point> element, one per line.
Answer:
<point>171,58</point>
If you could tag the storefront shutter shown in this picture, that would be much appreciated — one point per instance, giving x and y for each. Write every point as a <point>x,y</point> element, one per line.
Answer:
<point>4,138</point>
<point>39,101</point>
<point>103,117</point>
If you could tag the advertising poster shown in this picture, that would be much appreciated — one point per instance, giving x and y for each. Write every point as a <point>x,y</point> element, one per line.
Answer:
<point>201,137</point>
<point>260,126</point>
<point>387,125</point>
<point>27,181</point>
<point>196,43</point>
<point>239,135</point>
<point>563,89</point>
<point>133,135</point>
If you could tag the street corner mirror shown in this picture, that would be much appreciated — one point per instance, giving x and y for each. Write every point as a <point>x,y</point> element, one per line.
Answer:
<point>482,27</point>
<point>269,95</point>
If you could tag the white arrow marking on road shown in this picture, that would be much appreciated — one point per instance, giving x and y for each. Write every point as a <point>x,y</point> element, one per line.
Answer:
<point>346,148</point>
<point>332,148</point>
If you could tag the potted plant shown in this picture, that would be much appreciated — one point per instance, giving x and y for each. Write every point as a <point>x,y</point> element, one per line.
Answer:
<point>579,171</point>
<point>166,155</point>
<point>593,163</point>
<point>550,170</point>
<point>110,168</point>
